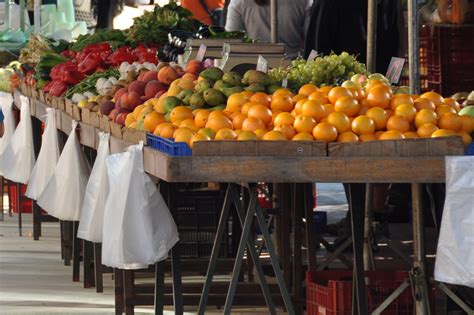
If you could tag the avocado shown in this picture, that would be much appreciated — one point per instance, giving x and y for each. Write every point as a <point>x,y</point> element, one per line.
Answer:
<point>171,102</point>
<point>254,76</point>
<point>214,97</point>
<point>272,88</point>
<point>213,74</point>
<point>221,85</point>
<point>232,90</point>
<point>203,85</point>
<point>255,87</point>
<point>197,100</point>
<point>232,78</point>
<point>184,96</point>
<point>218,107</point>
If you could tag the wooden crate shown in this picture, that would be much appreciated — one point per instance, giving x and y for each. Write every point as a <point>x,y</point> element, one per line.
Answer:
<point>87,135</point>
<point>95,119</point>
<point>86,116</point>
<point>260,148</point>
<point>399,148</point>
<point>66,122</point>
<point>76,112</point>
<point>68,107</point>
<point>134,136</point>
<point>104,124</point>
<point>116,130</point>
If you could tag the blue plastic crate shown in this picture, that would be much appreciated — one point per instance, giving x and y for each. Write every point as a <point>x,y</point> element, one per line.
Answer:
<point>470,149</point>
<point>168,146</point>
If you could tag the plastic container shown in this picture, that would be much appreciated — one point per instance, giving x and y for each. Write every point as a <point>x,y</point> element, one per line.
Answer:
<point>168,146</point>
<point>470,149</point>
<point>25,203</point>
<point>330,292</point>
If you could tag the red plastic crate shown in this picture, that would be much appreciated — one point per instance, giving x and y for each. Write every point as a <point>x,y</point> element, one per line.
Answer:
<point>26,204</point>
<point>330,292</point>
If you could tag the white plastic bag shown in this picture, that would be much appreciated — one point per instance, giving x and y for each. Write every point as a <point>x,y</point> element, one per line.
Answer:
<point>455,255</point>
<point>47,158</point>
<point>6,104</point>
<point>63,195</point>
<point>139,229</point>
<point>92,215</point>
<point>18,157</point>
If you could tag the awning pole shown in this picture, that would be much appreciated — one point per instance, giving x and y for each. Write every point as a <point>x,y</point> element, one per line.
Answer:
<point>413,46</point>
<point>274,21</point>
<point>371,35</point>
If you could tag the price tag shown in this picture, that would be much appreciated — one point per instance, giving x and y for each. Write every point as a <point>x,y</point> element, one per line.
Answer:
<point>284,83</point>
<point>395,69</point>
<point>312,55</point>
<point>225,55</point>
<point>201,52</point>
<point>262,64</point>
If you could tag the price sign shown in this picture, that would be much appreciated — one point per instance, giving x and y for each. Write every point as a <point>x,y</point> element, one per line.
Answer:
<point>312,55</point>
<point>262,64</point>
<point>201,52</point>
<point>225,55</point>
<point>284,83</point>
<point>395,69</point>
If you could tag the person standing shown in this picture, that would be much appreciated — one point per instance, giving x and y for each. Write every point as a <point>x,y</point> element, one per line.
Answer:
<point>253,16</point>
<point>208,12</point>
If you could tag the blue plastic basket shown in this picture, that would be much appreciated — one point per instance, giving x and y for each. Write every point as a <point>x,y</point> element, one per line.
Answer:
<point>168,146</point>
<point>470,149</point>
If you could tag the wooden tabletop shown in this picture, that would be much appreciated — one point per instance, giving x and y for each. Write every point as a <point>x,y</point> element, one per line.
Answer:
<point>277,169</point>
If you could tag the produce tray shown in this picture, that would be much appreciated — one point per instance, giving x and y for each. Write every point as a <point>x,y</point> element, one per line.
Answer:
<point>168,146</point>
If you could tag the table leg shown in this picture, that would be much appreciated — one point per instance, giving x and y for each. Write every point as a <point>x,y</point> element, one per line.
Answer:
<point>419,271</point>
<point>99,286</point>
<point>357,221</point>
<point>76,252</point>
<point>159,287</point>
<point>36,221</point>
<point>118,287</point>
<point>285,202</point>
<point>298,204</point>
<point>310,233</point>
<point>18,205</point>
<point>368,257</point>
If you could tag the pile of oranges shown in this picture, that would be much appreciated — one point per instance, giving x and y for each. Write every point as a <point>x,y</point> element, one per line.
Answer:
<point>346,113</point>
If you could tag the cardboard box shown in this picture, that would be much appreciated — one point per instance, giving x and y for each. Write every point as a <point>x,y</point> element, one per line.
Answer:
<point>76,113</point>
<point>95,119</point>
<point>134,136</point>
<point>116,130</point>
<point>104,124</point>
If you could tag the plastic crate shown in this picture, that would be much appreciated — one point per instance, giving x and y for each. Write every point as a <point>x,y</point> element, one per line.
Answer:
<point>168,146</point>
<point>330,292</point>
<point>25,203</point>
<point>470,149</point>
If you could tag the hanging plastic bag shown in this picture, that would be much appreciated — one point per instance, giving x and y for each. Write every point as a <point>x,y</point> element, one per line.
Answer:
<point>140,230</point>
<point>6,104</point>
<point>18,157</point>
<point>455,255</point>
<point>92,215</point>
<point>47,158</point>
<point>63,195</point>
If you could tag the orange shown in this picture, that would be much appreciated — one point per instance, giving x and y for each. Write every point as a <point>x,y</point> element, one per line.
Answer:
<point>313,109</point>
<point>190,124</point>
<point>160,127</point>
<point>180,113</point>
<point>398,123</point>
<point>362,125</point>
<point>377,134</point>
<point>411,135</point>
<point>371,83</point>
<point>466,138</point>
<point>152,120</point>
<point>183,135</point>
<point>443,109</point>
<point>421,103</point>
<point>177,123</point>
<point>379,116</point>
<point>325,89</point>
<point>467,123</point>
<point>168,130</point>
<point>288,130</point>
<point>247,94</point>
<point>363,109</point>
<point>382,88</point>
<point>261,98</point>
<point>325,132</point>
<point>226,134</point>
<point>307,89</point>
<point>453,103</point>
<point>228,113</point>
<point>368,137</point>
<point>274,135</point>
<point>304,124</point>
<point>425,116</point>
<point>329,108</point>
<point>198,137</point>
<point>237,120</point>
<point>208,132</point>
<point>348,105</point>
<point>299,105</point>
<point>359,93</point>
<point>137,111</point>
<point>219,122</point>
<point>406,110</point>
<point>294,113</point>
<point>283,92</point>
<point>340,121</point>
<point>261,112</point>
<point>238,131</point>
<point>247,135</point>
<point>338,92</point>
<point>303,136</point>
<point>201,117</point>
<point>252,124</point>
<point>450,121</point>
<point>235,102</point>
<point>298,97</point>
<point>282,102</point>
<point>348,136</point>
<point>216,113</point>
<point>260,133</point>
<point>378,97</point>
<point>283,118</point>
<point>129,119</point>
<point>319,96</point>
<point>434,97</point>
<point>426,130</point>
<point>246,107</point>
<point>399,99</point>
<point>391,135</point>
<point>443,133</point>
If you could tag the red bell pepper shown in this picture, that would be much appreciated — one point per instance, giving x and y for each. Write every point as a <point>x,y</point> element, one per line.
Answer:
<point>123,54</point>
<point>90,63</point>
<point>144,54</point>
<point>48,86</point>
<point>58,88</point>
<point>71,54</point>
<point>72,77</point>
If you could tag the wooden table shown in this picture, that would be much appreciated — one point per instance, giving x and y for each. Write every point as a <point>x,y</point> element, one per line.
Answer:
<point>294,169</point>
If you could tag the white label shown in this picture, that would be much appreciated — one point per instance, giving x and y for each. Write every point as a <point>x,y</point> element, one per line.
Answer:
<point>284,83</point>
<point>395,69</point>
<point>262,64</point>
<point>312,55</point>
<point>201,52</point>
<point>225,56</point>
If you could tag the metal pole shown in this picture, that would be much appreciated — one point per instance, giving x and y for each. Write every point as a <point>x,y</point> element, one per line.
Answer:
<point>413,48</point>
<point>274,21</point>
<point>371,35</point>
<point>368,257</point>
<point>22,14</point>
